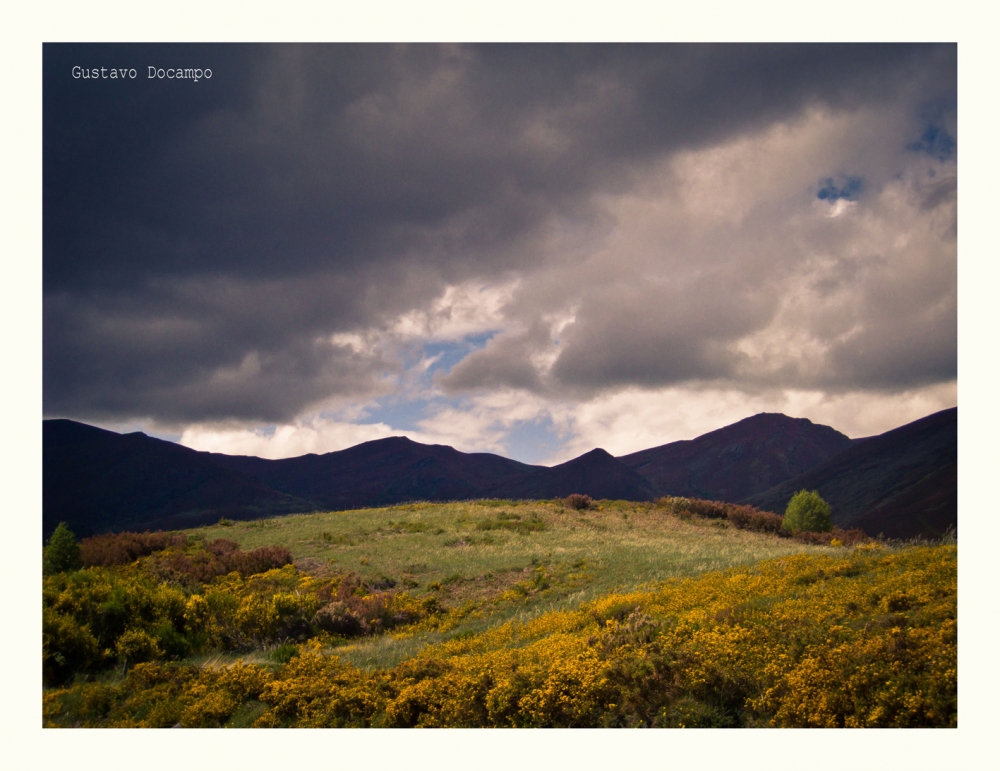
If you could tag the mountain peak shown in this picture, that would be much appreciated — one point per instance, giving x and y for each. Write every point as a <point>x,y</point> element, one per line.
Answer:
<point>738,460</point>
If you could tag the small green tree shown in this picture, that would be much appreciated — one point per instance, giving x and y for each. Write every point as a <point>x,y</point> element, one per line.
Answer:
<point>62,553</point>
<point>807,511</point>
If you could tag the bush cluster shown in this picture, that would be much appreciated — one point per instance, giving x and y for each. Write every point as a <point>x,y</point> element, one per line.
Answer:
<point>687,507</point>
<point>350,608</point>
<point>865,639</point>
<point>578,501</point>
<point>96,617</point>
<point>218,558</point>
<point>123,548</point>
<point>750,518</point>
<point>740,516</point>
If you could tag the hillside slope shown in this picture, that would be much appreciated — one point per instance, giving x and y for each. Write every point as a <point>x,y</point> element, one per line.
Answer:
<point>596,473</point>
<point>97,481</point>
<point>902,483</point>
<point>739,460</point>
<point>382,472</point>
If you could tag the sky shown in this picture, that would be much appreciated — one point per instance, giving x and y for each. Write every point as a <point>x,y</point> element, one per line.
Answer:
<point>531,250</point>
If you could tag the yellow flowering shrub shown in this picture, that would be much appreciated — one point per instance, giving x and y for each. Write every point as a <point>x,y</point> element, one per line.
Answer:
<point>865,638</point>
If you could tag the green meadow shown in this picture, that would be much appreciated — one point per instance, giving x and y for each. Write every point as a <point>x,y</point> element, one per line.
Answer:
<point>505,614</point>
<point>471,554</point>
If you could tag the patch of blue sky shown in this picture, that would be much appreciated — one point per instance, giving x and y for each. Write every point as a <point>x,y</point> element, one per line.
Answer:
<point>447,354</point>
<point>935,142</point>
<point>844,186</point>
<point>400,413</point>
<point>533,441</point>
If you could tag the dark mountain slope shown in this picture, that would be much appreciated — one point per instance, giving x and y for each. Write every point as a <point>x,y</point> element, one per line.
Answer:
<point>382,472</point>
<point>740,460</point>
<point>902,483</point>
<point>597,474</point>
<point>97,481</point>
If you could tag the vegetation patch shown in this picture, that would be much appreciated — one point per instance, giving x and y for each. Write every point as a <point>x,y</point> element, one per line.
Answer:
<point>528,619</point>
<point>744,647</point>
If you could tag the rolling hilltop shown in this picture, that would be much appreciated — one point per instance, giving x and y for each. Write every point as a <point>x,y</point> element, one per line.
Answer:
<point>901,483</point>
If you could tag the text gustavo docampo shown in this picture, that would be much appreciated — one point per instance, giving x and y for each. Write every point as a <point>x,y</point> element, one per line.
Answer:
<point>130,73</point>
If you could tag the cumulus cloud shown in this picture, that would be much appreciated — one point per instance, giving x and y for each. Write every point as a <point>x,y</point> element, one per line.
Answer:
<point>496,234</point>
<point>631,420</point>
<point>726,265</point>
<point>316,435</point>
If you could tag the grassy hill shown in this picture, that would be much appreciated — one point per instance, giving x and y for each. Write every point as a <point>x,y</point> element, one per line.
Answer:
<point>474,552</point>
<point>499,613</point>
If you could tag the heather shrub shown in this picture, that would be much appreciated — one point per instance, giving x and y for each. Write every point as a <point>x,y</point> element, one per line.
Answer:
<point>687,507</point>
<point>62,552</point>
<point>352,610</point>
<point>578,501</point>
<point>750,518</point>
<point>218,558</point>
<point>124,548</point>
<point>807,511</point>
<point>336,618</point>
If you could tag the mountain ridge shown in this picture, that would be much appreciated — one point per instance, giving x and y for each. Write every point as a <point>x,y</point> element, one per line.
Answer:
<point>902,483</point>
<point>738,460</point>
<point>98,480</point>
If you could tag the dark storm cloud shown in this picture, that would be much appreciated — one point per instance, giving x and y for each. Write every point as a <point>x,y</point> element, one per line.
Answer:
<point>202,241</point>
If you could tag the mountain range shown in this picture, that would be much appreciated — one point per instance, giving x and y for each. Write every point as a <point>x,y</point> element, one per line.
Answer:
<point>902,483</point>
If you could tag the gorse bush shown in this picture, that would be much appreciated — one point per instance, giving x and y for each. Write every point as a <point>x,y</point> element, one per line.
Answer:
<point>865,639</point>
<point>807,511</point>
<point>62,552</point>
<point>96,617</point>
<point>578,501</point>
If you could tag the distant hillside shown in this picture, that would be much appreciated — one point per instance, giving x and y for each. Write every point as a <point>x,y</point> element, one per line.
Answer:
<point>902,483</point>
<point>99,481</point>
<point>740,460</point>
<point>382,472</point>
<point>387,471</point>
<point>597,474</point>
<point>898,483</point>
